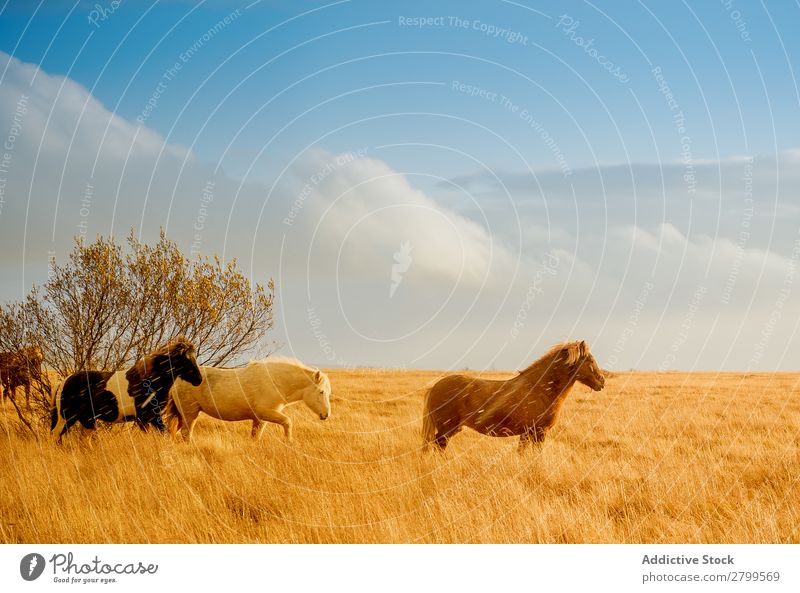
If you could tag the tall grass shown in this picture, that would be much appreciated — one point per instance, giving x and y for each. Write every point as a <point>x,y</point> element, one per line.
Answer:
<point>653,458</point>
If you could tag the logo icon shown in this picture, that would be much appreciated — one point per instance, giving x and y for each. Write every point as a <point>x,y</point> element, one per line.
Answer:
<point>31,566</point>
<point>403,259</point>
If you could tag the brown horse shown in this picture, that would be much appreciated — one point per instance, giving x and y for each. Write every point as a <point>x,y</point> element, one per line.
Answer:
<point>526,405</point>
<point>19,369</point>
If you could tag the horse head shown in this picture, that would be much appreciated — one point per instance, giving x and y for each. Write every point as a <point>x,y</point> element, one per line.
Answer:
<point>184,360</point>
<point>586,370</point>
<point>34,355</point>
<point>317,396</point>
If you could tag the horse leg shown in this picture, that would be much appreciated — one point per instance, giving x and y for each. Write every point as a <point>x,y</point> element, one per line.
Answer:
<point>158,422</point>
<point>440,442</point>
<point>533,436</point>
<point>59,429</point>
<point>184,415</point>
<point>88,421</point>
<point>524,441</point>
<point>10,389</point>
<point>258,429</point>
<point>442,438</point>
<point>62,426</point>
<point>277,418</point>
<point>187,423</point>
<point>187,430</point>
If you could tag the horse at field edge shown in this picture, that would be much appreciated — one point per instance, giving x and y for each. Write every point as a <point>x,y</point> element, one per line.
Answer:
<point>257,392</point>
<point>526,405</point>
<point>20,369</point>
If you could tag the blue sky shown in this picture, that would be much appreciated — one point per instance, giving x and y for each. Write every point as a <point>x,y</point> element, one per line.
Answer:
<point>699,47</point>
<point>495,133</point>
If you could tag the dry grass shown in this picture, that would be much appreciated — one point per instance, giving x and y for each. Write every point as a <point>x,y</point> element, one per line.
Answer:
<point>653,458</point>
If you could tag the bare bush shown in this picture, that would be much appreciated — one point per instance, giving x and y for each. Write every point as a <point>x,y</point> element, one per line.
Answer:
<point>106,307</point>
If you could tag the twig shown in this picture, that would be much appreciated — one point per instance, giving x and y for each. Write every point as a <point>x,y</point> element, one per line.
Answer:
<point>22,418</point>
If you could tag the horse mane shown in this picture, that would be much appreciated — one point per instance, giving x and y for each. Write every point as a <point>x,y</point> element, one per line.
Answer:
<point>290,361</point>
<point>175,347</point>
<point>575,351</point>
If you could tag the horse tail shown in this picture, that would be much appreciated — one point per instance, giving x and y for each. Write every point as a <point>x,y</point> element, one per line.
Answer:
<point>171,415</point>
<point>428,424</point>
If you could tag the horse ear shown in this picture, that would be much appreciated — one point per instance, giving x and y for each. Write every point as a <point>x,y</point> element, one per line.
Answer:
<point>317,376</point>
<point>182,346</point>
<point>584,348</point>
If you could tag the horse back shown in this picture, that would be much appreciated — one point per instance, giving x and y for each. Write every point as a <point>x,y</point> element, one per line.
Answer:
<point>229,394</point>
<point>84,395</point>
<point>455,397</point>
<point>84,383</point>
<point>488,406</point>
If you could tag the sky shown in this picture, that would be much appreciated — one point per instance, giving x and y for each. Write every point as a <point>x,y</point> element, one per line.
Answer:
<point>433,184</point>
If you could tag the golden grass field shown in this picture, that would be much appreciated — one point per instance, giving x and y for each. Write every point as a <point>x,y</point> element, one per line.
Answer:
<point>652,458</point>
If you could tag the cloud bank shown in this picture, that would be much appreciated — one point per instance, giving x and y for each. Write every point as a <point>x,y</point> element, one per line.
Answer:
<point>653,269</point>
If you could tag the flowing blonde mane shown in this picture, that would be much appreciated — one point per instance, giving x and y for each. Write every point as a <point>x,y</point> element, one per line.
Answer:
<point>288,360</point>
<point>575,351</point>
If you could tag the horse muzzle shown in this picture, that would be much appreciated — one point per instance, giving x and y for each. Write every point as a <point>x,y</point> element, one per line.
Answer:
<point>323,416</point>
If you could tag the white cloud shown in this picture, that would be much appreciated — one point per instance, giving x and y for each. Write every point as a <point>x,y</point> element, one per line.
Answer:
<point>466,285</point>
<point>364,210</point>
<point>75,166</point>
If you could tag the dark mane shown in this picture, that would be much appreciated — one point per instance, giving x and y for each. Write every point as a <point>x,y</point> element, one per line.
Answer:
<point>179,346</point>
<point>150,379</point>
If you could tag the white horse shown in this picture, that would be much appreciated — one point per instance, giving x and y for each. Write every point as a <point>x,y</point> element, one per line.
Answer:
<point>257,392</point>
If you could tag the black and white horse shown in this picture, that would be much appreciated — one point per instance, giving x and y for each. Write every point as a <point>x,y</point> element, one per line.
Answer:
<point>136,395</point>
